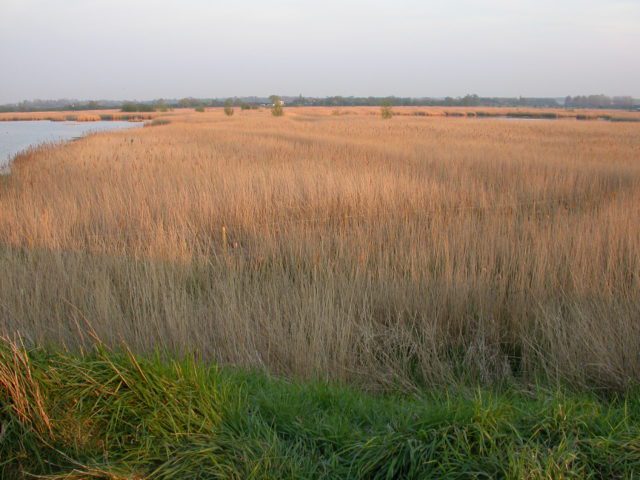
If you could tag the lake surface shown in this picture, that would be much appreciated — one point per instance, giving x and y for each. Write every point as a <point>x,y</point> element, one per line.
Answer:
<point>18,136</point>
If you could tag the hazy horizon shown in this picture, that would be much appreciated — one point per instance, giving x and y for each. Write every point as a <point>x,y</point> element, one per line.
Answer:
<point>285,96</point>
<point>98,49</point>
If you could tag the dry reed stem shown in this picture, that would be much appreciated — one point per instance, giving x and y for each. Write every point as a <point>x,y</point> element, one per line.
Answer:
<point>18,387</point>
<point>423,249</point>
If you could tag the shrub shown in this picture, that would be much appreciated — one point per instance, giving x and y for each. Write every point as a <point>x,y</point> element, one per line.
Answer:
<point>277,110</point>
<point>228,108</point>
<point>386,110</point>
<point>199,109</point>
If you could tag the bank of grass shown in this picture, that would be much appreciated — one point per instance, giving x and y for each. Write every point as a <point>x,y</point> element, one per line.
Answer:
<point>112,415</point>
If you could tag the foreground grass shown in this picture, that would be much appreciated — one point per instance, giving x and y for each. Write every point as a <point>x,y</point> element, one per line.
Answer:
<point>109,415</point>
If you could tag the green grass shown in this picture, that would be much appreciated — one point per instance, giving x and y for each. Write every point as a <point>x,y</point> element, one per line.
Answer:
<point>110,415</point>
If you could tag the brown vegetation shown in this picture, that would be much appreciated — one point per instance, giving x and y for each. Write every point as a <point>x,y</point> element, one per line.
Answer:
<point>418,250</point>
<point>84,116</point>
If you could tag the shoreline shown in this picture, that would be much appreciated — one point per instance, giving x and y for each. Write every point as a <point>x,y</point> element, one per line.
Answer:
<point>23,140</point>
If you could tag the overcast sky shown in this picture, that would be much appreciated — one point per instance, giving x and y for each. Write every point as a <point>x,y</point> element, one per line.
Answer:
<point>145,49</point>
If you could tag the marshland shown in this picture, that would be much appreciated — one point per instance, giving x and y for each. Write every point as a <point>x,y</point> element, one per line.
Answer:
<point>325,259</point>
<point>410,252</point>
<point>360,240</point>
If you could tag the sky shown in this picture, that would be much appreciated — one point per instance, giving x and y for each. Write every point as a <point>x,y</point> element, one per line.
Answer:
<point>148,49</point>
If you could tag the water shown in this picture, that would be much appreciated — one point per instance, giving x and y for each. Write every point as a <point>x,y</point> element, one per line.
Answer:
<point>18,136</point>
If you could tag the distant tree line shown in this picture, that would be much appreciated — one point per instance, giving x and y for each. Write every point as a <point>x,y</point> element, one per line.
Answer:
<point>56,105</point>
<point>466,101</point>
<point>598,101</point>
<point>138,107</point>
<point>245,103</point>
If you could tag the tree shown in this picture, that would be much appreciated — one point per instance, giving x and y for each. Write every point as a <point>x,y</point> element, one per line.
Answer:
<point>276,109</point>
<point>161,105</point>
<point>228,108</point>
<point>470,101</point>
<point>385,110</point>
<point>186,103</point>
